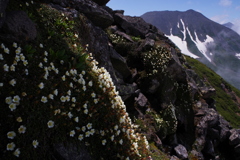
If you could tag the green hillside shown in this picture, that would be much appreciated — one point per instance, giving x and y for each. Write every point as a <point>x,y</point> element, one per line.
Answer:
<point>226,103</point>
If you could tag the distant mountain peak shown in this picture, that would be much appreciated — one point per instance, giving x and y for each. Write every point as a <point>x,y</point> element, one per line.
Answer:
<point>229,25</point>
<point>199,37</point>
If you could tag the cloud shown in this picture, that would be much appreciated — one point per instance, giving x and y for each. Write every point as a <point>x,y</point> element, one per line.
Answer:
<point>225,3</point>
<point>220,18</point>
<point>237,8</point>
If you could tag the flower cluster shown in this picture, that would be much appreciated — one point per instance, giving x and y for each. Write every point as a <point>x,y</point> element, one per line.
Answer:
<point>45,95</point>
<point>156,60</point>
<point>117,39</point>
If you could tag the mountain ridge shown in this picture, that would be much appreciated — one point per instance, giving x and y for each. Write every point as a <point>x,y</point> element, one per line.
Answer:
<point>202,38</point>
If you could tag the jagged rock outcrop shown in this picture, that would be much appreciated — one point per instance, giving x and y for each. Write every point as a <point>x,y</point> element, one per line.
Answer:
<point>97,14</point>
<point>101,2</point>
<point>174,106</point>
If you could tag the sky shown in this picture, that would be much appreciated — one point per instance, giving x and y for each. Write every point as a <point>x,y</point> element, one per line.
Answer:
<point>221,11</point>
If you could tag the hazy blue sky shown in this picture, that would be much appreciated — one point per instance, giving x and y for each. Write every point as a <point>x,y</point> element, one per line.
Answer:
<point>221,11</point>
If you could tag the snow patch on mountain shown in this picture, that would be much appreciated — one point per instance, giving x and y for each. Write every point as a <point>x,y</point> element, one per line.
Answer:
<point>182,44</point>
<point>201,45</point>
<point>184,30</point>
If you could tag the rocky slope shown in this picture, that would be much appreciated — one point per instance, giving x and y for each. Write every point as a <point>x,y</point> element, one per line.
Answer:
<point>81,81</point>
<point>211,43</point>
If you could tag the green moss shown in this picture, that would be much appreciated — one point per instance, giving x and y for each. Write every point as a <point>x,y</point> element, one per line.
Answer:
<point>136,39</point>
<point>157,154</point>
<point>224,103</point>
<point>165,122</point>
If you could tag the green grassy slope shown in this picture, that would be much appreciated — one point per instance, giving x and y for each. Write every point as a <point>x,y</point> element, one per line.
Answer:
<point>225,104</point>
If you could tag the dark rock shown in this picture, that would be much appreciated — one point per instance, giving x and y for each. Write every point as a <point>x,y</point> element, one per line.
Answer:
<point>71,152</point>
<point>153,86</point>
<point>119,64</point>
<point>174,158</point>
<point>209,149</point>
<point>200,112</point>
<point>99,45</point>
<point>175,68</point>
<point>113,29</point>
<point>126,90</point>
<point>234,138</point>
<point>196,155</point>
<point>206,123</point>
<point>224,129</point>
<point>207,91</point>
<point>146,45</point>
<point>97,14</point>
<point>212,118</point>
<point>3,5</point>
<point>124,35</point>
<point>62,3</point>
<point>135,26</point>
<point>213,133</point>
<point>181,151</point>
<point>101,2</point>
<point>108,9</point>
<point>141,100</point>
<point>237,149</point>
<point>119,11</point>
<point>157,140</point>
<point>151,36</point>
<point>18,27</point>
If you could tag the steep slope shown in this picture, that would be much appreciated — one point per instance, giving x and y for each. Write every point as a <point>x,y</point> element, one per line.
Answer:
<point>197,36</point>
<point>81,81</point>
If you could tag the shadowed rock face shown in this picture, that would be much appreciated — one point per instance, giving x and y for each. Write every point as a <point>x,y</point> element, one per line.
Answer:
<point>3,5</point>
<point>18,27</point>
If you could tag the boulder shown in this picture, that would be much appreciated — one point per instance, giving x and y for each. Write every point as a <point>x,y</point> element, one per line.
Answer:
<point>18,27</point>
<point>119,64</point>
<point>224,129</point>
<point>181,151</point>
<point>209,149</point>
<point>174,158</point>
<point>234,138</point>
<point>119,11</point>
<point>141,100</point>
<point>135,26</point>
<point>124,35</point>
<point>3,5</point>
<point>207,91</point>
<point>101,2</point>
<point>146,45</point>
<point>97,14</point>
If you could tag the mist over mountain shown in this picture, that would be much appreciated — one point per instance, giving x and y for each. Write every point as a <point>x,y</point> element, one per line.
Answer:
<point>234,26</point>
<point>214,44</point>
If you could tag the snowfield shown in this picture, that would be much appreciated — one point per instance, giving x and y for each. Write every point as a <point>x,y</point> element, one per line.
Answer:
<point>182,43</point>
